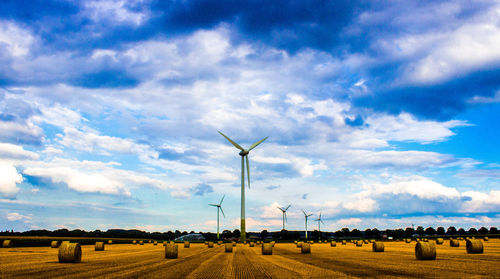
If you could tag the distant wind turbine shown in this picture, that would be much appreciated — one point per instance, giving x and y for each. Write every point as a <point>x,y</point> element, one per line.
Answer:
<point>244,155</point>
<point>283,209</point>
<point>219,207</point>
<point>319,225</point>
<point>306,216</point>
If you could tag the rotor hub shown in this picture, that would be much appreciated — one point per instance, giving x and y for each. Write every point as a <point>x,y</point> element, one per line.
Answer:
<point>243,153</point>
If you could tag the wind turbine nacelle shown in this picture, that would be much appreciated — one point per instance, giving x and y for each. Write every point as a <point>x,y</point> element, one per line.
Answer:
<point>243,153</point>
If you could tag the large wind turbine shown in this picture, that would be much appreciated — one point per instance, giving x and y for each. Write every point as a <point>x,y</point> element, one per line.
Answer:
<point>283,209</point>
<point>307,216</point>
<point>244,155</point>
<point>219,206</point>
<point>319,225</point>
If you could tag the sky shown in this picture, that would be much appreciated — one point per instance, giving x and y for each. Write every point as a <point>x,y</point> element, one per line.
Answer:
<point>380,114</point>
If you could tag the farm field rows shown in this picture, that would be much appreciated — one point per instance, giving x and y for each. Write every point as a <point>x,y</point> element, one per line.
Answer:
<point>198,261</point>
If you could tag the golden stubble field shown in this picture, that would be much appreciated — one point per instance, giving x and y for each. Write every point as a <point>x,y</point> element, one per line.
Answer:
<point>198,261</point>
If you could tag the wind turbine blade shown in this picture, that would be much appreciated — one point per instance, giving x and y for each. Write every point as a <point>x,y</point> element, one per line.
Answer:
<point>234,143</point>
<point>279,208</point>
<point>248,171</point>
<point>257,143</point>
<point>222,199</point>
<point>222,211</point>
<point>211,204</point>
<point>304,213</point>
<point>322,222</point>
<point>288,207</point>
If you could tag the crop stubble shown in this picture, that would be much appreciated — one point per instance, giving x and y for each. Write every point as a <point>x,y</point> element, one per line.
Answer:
<point>133,261</point>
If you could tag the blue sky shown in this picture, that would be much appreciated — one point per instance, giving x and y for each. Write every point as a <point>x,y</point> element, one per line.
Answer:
<point>379,114</point>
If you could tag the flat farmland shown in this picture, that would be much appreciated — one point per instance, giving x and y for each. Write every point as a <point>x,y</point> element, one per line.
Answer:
<point>198,261</point>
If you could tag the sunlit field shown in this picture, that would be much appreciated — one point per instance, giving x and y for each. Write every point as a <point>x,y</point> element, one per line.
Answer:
<point>286,261</point>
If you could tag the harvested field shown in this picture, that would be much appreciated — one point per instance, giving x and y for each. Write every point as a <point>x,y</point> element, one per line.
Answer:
<point>287,261</point>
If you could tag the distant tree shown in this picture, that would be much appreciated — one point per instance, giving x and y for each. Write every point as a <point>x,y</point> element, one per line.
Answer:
<point>177,233</point>
<point>399,233</point>
<point>170,235</point>
<point>236,233</point>
<point>440,231</point>
<point>346,232</point>
<point>461,231</point>
<point>376,233</point>
<point>284,234</point>
<point>368,233</point>
<point>451,231</point>
<point>483,230</point>
<point>184,233</point>
<point>493,230</point>
<point>192,232</point>
<point>264,234</point>
<point>409,232</point>
<point>430,231</point>
<point>227,234</point>
<point>472,231</point>
<point>420,230</point>
<point>356,233</point>
<point>339,234</point>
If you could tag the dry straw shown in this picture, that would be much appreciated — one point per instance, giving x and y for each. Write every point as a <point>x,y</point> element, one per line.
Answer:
<point>439,241</point>
<point>55,244</point>
<point>474,246</point>
<point>359,243</point>
<point>228,247</point>
<point>99,246</point>
<point>70,252</point>
<point>267,249</point>
<point>378,247</point>
<point>333,244</point>
<point>7,243</point>
<point>171,251</point>
<point>210,244</point>
<point>454,243</point>
<point>306,248</point>
<point>425,251</point>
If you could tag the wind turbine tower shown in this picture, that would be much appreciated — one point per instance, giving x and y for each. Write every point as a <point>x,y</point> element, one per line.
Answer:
<point>283,209</point>
<point>244,157</point>
<point>219,207</point>
<point>319,225</point>
<point>306,216</point>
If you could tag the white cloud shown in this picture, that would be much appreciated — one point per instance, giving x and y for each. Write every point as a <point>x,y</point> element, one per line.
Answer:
<point>15,39</point>
<point>14,216</point>
<point>16,152</point>
<point>9,179</point>
<point>481,202</point>
<point>118,10</point>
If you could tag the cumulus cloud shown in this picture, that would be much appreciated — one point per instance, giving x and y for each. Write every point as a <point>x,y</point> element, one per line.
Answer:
<point>14,216</point>
<point>9,180</point>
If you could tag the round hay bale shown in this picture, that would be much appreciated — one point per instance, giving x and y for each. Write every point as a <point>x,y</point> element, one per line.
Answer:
<point>365,241</point>
<point>425,251</point>
<point>267,249</point>
<point>219,242</point>
<point>454,243</point>
<point>171,251</point>
<point>149,241</point>
<point>273,243</point>
<point>55,244</point>
<point>372,241</point>
<point>299,244</point>
<point>306,248</point>
<point>333,244</point>
<point>99,246</point>
<point>252,244</point>
<point>426,240</point>
<point>206,242</point>
<point>474,246</point>
<point>7,243</point>
<point>486,238</point>
<point>228,247</point>
<point>70,252</point>
<point>210,244</point>
<point>110,242</point>
<point>141,242</point>
<point>155,243</point>
<point>134,242</point>
<point>295,242</point>
<point>187,244</point>
<point>378,247</point>
<point>234,243</point>
<point>344,242</point>
<point>439,241</point>
<point>408,240</point>
<point>359,243</point>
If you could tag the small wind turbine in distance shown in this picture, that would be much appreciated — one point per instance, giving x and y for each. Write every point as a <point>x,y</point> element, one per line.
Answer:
<point>283,209</point>
<point>219,206</point>
<point>244,155</point>
<point>306,216</point>
<point>319,226</point>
